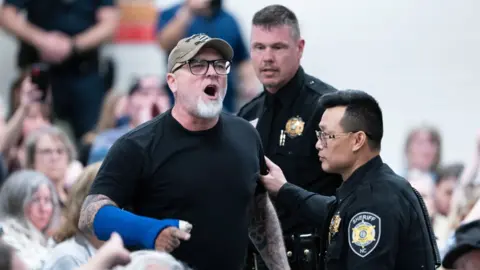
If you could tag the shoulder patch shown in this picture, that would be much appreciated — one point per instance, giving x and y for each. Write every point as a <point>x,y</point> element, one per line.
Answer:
<point>364,231</point>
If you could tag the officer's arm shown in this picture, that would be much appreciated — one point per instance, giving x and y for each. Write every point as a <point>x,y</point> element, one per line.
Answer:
<point>372,235</point>
<point>310,206</point>
<point>15,23</point>
<point>108,17</point>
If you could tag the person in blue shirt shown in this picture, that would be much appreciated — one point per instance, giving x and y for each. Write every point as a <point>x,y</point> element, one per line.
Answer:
<point>209,17</point>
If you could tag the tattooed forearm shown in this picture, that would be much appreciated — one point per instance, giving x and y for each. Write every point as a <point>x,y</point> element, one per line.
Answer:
<point>266,233</point>
<point>90,207</point>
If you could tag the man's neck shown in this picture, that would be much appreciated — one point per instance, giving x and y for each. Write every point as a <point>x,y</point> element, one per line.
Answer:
<point>362,160</point>
<point>191,122</point>
<point>273,90</point>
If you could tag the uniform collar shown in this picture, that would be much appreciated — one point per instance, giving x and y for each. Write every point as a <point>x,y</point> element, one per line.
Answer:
<point>288,93</point>
<point>357,178</point>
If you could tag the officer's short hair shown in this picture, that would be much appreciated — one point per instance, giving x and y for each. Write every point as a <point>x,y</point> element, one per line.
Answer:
<point>277,15</point>
<point>362,114</point>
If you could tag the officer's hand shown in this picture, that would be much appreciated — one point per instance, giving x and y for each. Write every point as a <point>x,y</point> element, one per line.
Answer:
<point>275,179</point>
<point>169,238</point>
<point>55,47</point>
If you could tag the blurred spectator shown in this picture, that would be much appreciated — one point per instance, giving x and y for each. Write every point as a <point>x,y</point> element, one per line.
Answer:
<point>110,255</point>
<point>26,116</point>
<point>467,191</point>
<point>74,247</point>
<point>28,212</point>
<point>50,151</point>
<point>8,259</point>
<point>3,114</point>
<point>19,87</point>
<point>3,161</point>
<point>424,184</point>
<point>209,17</point>
<point>67,35</point>
<point>112,115</point>
<point>423,150</point>
<point>113,255</point>
<point>448,178</point>
<point>465,254</point>
<point>149,259</point>
<point>146,99</point>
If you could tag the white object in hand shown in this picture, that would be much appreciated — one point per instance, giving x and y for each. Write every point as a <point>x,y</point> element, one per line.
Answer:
<point>185,226</point>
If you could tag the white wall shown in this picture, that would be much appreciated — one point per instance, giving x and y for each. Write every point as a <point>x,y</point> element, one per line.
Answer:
<point>418,58</point>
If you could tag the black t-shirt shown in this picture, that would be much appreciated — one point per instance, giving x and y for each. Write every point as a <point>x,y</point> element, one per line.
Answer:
<point>208,178</point>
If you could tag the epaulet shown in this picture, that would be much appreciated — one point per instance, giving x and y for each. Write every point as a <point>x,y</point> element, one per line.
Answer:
<point>318,86</point>
<point>250,105</point>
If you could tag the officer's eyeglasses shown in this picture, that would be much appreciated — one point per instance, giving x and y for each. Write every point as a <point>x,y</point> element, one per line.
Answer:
<point>200,67</point>
<point>324,137</point>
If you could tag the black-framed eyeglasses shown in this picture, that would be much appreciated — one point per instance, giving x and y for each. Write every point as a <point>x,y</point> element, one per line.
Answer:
<point>324,137</point>
<point>200,67</point>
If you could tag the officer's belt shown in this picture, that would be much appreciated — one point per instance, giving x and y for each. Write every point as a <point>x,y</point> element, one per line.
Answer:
<point>80,64</point>
<point>303,252</point>
<point>302,248</point>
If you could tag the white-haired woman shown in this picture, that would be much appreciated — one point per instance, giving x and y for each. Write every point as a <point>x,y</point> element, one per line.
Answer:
<point>28,212</point>
<point>150,259</point>
<point>74,248</point>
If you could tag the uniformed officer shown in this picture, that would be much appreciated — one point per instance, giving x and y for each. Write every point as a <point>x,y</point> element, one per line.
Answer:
<point>67,36</point>
<point>286,115</point>
<point>376,220</point>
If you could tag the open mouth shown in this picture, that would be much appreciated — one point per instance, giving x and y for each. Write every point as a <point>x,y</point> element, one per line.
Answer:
<point>211,90</point>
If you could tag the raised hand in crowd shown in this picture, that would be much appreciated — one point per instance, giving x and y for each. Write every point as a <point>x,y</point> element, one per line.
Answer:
<point>29,94</point>
<point>110,255</point>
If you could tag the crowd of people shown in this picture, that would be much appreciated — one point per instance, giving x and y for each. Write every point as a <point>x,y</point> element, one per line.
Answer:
<point>172,174</point>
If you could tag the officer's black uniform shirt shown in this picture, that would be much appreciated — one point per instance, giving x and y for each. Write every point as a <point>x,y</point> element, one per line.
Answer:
<point>296,104</point>
<point>375,222</point>
<point>70,17</point>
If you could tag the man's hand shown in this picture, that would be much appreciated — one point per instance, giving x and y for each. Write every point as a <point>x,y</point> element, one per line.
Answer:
<point>55,47</point>
<point>275,179</point>
<point>169,238</point>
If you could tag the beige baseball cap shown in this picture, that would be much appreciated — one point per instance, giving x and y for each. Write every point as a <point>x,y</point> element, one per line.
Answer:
<point>188,47</point>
